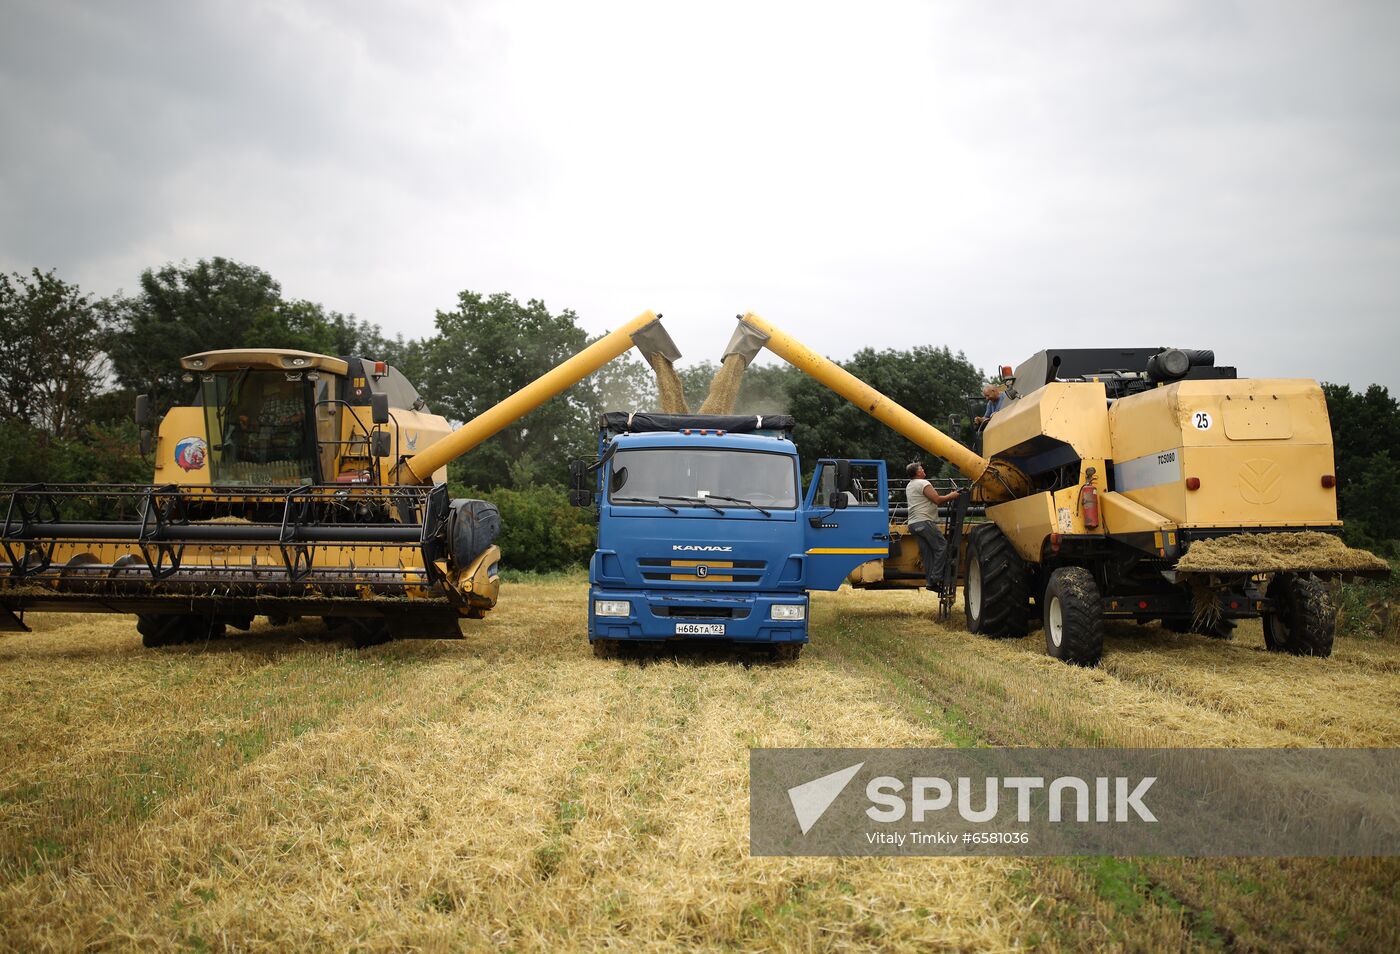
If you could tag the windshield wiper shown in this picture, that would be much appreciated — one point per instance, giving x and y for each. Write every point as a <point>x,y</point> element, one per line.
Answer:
<point>695,500</point>
<point>741,500</point>
<point>645,500</point>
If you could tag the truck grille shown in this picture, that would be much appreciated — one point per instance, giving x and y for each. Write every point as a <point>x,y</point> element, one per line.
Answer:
<point>702,571</point>
<point>702,612</point>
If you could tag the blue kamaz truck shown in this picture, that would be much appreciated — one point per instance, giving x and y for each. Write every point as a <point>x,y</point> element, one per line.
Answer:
<point>705,533</point>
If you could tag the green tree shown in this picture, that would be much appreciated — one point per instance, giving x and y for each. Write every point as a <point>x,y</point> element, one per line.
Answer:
<point>490,346</point>
<point>1365,435</point>
<point>219,303</point>
<point>931,382</point>
<point>52,352</point>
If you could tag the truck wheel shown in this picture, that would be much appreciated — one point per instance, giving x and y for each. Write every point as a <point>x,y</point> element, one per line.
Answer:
<point>785,654</point>
<point>996,590</point>
<point>1073,617</point>
<point>1304,620</point>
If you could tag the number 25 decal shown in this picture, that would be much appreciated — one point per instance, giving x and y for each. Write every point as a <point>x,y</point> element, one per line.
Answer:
<point>1201,420</point>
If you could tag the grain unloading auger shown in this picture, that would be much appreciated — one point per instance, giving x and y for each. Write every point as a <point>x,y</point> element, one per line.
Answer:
<point>1138,484</point>
<point>292,485</point>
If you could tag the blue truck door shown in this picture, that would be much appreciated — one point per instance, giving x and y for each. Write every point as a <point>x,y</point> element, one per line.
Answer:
<point>840,539</point>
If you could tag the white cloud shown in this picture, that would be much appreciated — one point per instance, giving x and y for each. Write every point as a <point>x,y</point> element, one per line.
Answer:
<point>995,177</point>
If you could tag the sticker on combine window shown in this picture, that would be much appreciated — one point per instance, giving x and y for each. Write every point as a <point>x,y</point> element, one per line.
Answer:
<point>1201,420</point>
<point>190,453</point>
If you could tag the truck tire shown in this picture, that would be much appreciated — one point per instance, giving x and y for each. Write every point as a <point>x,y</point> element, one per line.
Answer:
<point>1304,620</point>
<point>1073,617</point>
<point>996,590</point>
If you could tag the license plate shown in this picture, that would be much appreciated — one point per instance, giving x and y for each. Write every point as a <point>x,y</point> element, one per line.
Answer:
<point>699,629</point>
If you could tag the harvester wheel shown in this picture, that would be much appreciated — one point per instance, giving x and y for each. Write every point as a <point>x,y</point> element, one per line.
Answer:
<point>1305,619</point>
<point>996,590</point>
<point>366,631</point>
<point>1073,617</point>
<point>161,629</point>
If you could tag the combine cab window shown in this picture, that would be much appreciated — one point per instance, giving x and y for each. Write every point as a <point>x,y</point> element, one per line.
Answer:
<point>260,429</point>
<point>765,480</point>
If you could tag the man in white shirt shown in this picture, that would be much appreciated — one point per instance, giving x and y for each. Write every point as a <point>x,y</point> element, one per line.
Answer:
<point>923,503</point>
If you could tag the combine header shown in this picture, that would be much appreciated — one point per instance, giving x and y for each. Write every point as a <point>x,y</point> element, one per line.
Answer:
<point>293,484</point>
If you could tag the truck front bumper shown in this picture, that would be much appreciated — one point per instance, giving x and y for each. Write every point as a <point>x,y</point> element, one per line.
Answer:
<point>746,617</point>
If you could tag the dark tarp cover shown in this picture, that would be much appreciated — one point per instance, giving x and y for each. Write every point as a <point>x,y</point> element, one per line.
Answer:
<point>642,422</point>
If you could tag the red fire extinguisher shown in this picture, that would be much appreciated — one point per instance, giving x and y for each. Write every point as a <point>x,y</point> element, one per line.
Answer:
<point>1089,502</point>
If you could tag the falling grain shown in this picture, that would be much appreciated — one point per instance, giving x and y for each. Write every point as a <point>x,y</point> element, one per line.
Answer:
<point>669,384</point>
<point>724,389</point>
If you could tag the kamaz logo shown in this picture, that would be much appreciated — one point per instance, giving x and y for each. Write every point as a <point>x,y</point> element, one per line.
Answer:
<point>701,549</point>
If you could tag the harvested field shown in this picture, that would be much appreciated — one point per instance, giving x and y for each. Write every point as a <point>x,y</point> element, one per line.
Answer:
<point>1274,552</point>
<point>724,389</point>
<point>282,792</point>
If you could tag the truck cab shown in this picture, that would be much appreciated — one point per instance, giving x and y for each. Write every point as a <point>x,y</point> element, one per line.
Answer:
<point>705,531</point>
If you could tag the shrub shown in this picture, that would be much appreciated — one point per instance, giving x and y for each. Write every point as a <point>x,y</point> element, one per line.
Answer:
<point>540,532</point>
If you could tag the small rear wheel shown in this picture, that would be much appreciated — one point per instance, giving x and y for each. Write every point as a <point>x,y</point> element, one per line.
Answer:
<point>1303,621</point>
<point>996,590</point>
<point>1073,617</point>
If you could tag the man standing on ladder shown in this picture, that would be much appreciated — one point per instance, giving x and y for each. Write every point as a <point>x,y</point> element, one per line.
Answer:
<point>923,503</point>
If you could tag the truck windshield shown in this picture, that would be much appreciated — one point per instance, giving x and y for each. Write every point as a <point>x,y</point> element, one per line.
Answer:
<point>738,478</point>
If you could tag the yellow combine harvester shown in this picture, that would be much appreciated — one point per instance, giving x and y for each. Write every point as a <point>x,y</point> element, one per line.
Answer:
<point>1138,484</point>
<point>292,485</point>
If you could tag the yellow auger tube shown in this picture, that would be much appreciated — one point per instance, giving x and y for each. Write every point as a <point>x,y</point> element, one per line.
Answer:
<point>868,399</point>
<point>420,468</point>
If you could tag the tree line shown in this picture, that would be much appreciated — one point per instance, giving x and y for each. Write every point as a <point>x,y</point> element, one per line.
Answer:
<point>71,364</point>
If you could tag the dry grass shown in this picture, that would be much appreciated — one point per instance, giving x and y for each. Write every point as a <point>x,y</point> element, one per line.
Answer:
<point>1275,552</point>
<point>509,791</point>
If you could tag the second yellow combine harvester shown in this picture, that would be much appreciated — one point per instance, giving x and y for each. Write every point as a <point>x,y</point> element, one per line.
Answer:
<point>1138,484</point>
<point>291,485</point>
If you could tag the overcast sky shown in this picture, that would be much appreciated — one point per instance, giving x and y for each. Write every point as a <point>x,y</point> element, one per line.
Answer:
<point>999,177</point>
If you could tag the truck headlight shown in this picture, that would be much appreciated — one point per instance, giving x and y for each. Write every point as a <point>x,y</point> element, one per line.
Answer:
<point>612,608</point>
<point>787,611</point>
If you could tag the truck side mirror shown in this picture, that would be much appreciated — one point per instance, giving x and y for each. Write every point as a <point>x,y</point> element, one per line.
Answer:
<point>580,495</point>
<point>379,408</point>
<point>381,444</point>
<point>840,501</point>
<point>843,476</point>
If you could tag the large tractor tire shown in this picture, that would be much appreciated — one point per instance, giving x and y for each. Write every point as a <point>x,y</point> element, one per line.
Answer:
<point>474,526</point>
<point>1304,619</point>
<point>996,588</point>
<point>1073,617</point>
